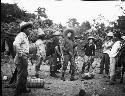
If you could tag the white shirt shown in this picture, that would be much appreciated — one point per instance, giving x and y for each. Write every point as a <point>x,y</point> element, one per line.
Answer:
<point>115,49</point>
<point>22,42</point>
<point>107,46</point>
<point>40,48</point>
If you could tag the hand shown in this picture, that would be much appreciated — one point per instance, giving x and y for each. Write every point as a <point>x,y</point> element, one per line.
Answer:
<point>71,53</point>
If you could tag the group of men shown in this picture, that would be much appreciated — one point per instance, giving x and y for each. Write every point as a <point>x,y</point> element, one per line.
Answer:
<point>111,50</point>
<point>58,47</point>
<point>62,47</point>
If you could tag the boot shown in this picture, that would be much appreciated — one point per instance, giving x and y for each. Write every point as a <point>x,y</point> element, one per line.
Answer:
<point>72,78</point>
<point>112,80</point>
<point>53,74</point>
<point>37,75</point>
<point>83,68</point>
<point>26,91</point>
<point>63,78</point>
<point>17,93</point>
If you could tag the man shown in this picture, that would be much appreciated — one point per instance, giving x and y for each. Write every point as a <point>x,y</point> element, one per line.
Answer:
<point>41,52</point>
<point>113,56</point>
<point>21,45</point>
<point>106,49</point>
<point>68,52</point>
<point>89,49</point>
<point>58,53</point>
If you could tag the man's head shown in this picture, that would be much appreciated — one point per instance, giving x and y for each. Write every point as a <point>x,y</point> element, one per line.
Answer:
<point>91,39</point>
<point>69,33</point>
<point>26,27</point>
<point>110,35</point>
<point>117,35</point>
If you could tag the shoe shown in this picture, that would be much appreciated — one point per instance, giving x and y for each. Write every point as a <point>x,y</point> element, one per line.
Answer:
<point>111,83</point>
<point>57,71</point>
<point>53,75</point>
<point>37,75</point>
<point>26,91</point>
<point>17,94</point>
<point>100,72</point>
<point>72,79</point>
<point>63,78</point>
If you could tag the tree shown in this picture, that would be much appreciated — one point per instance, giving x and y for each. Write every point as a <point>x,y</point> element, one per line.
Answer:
<point>11,12</point>
<point>73,22</point>
<point>121,24</point>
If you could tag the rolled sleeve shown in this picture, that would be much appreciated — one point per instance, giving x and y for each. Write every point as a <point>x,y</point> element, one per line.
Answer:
<point>18,41</point>
<point>115,49</point>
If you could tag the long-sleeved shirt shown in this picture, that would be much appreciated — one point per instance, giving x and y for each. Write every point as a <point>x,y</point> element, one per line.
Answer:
<point>40,48</point>
<point>68,46</point>
<point>115,49</point>
<point>107,46</point>
<point>22,43</point>
<point>90,49</point>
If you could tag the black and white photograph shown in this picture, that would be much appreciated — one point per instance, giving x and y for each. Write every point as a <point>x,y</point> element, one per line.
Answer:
<point>63,48</point>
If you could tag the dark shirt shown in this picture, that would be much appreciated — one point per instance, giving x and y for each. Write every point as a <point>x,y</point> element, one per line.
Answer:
<point>50,46</point>
<point>89,49</point>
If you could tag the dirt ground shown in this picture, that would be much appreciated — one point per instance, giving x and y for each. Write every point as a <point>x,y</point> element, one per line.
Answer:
<point>65,88</point>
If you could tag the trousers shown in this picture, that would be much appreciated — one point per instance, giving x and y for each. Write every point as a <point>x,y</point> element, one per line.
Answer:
<point>113,61</point>
<point>65,64</point>
<point>53,62</point>
<point>87,62</point>
<point>105,62</point>
<point>22,73</point>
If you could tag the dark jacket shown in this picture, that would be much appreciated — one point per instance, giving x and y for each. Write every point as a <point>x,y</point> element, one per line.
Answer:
<point>68,44</point>
<point>89,49</point>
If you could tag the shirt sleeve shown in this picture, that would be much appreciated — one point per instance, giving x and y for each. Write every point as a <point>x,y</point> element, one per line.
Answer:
<point>115,49</point>
<point>18,41</point>
<point>108,44</point>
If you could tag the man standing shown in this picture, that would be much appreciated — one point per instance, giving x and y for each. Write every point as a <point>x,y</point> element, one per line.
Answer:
<point>68,52</point>
<point>21,45</point>
<point>89,49</point>
<point>113,56</point>
<point>41,52</point>
<point>106,49</point>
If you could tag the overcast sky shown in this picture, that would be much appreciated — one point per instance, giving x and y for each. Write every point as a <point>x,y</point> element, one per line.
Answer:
<point>61,11</point>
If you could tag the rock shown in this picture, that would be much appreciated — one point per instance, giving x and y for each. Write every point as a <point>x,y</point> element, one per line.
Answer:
<point>95,93</point>
<point>82,92</point>
<point>88,76</point>
<point>4,77</point>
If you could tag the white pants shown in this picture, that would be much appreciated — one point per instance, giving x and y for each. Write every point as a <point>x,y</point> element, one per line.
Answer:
<point>112,66</point>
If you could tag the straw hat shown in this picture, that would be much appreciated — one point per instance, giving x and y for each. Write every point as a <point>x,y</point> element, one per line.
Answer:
<point>57,33</point>
<point>25,24</point>
<point>40,32</point>
<point>110,34</point>
<point>123,37</point>
<point>91,37</point>
<point>69,30</point>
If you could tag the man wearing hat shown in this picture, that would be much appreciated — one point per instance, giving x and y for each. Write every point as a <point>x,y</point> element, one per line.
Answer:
<point>52,52</point>
<point>113,54</point>
<point>106,49</point>
<point>21,45</point>
<point>68,46</point>
<point>89,50</point>
<point>41,52</point>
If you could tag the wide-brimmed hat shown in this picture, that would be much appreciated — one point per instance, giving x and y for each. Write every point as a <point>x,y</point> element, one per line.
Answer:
<point>66,31</point>
<point>57,33</point>
<point>40,32</point>
<point>123,37</point>
<point>91,37</point>
<point>110,34</point>
<point>24,25</point>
